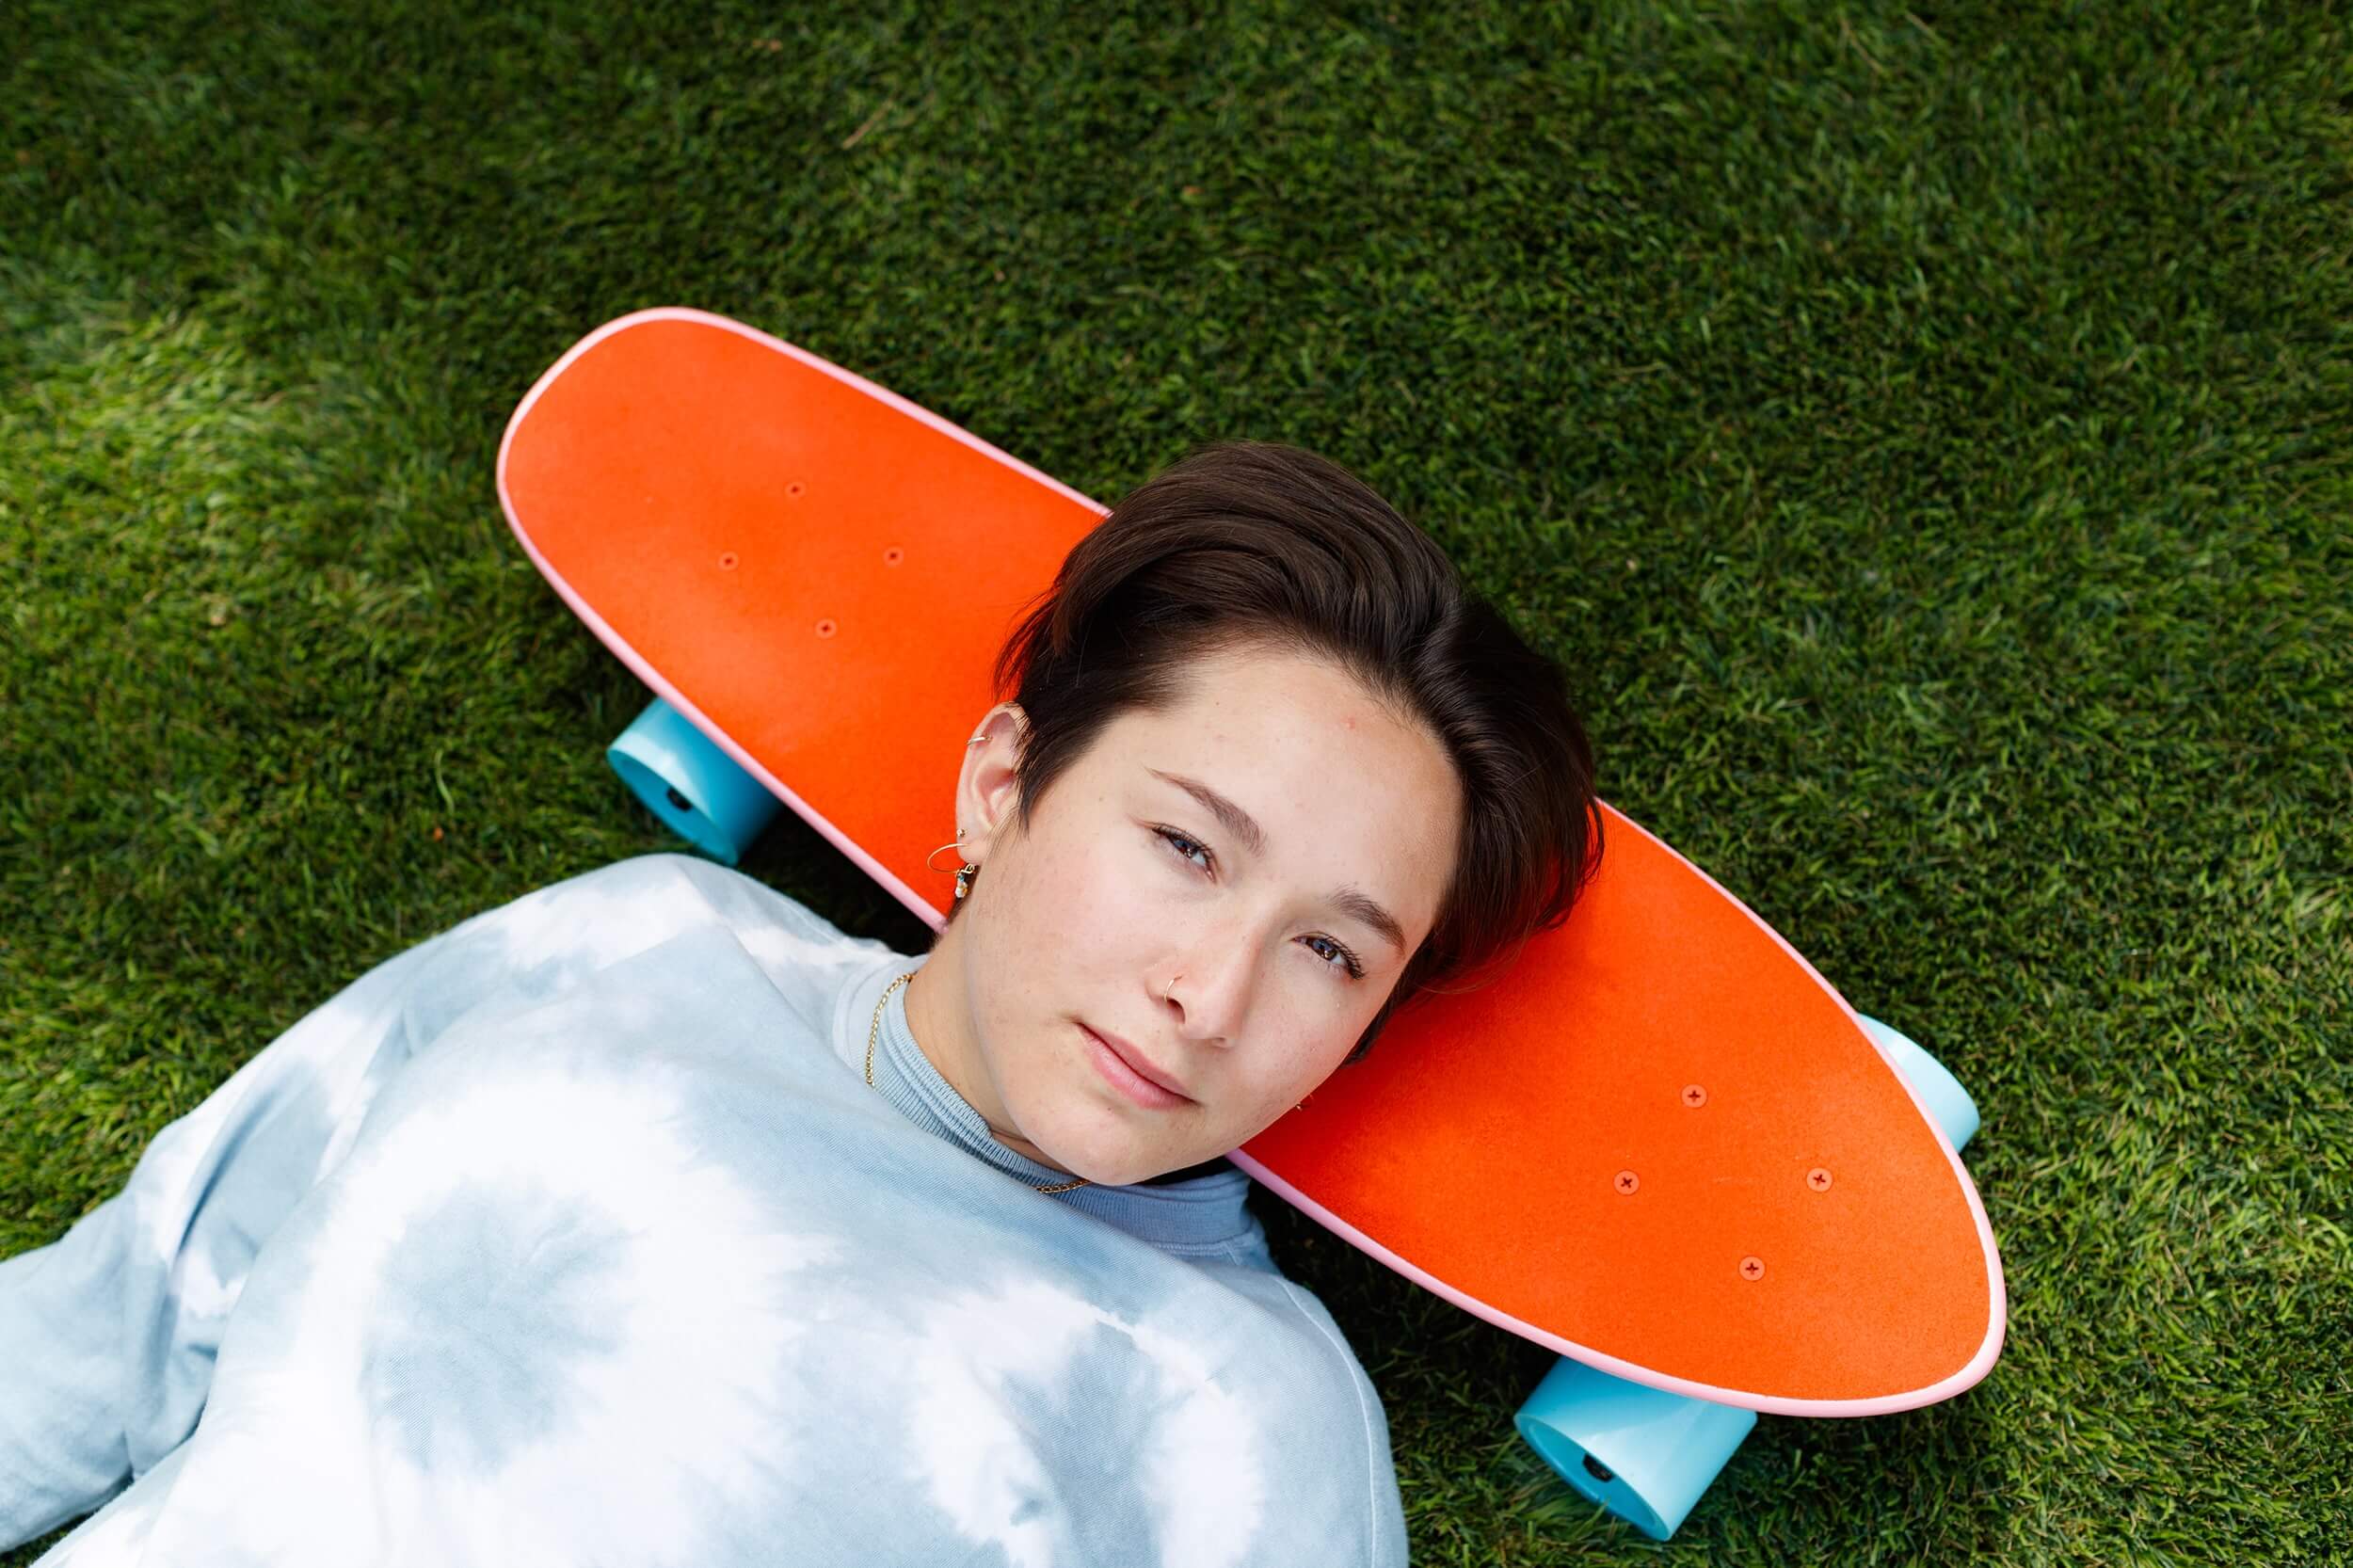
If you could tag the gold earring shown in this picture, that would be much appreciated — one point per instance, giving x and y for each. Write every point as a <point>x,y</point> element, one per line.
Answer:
<point>964,875</point>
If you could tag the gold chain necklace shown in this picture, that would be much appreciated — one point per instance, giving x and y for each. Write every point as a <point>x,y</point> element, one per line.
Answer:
<point>876,1026</point>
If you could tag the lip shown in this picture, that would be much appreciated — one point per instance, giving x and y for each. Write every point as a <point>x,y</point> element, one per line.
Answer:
<point>1140,1080</point>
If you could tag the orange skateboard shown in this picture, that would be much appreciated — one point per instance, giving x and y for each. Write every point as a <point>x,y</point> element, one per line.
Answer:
<point>1662,1145</point>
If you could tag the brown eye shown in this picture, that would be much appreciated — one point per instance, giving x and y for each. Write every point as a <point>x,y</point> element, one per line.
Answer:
<point>1184,847</point>
<point>1345,959</point>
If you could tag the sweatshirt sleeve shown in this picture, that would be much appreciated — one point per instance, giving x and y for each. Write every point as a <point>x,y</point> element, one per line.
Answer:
<point>107,1336</point>
<point>1357,1468</point>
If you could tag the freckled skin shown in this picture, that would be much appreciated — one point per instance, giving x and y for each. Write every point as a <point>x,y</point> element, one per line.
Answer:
<point>1229,979</point>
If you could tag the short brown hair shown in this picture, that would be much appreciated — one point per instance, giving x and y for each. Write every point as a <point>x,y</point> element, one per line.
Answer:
<point>1255,543</point>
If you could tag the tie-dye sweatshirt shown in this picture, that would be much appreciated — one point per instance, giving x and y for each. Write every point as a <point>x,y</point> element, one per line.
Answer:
<point>574,1235</point>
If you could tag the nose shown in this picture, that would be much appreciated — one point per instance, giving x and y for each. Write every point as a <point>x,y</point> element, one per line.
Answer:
<point>1211,988</point>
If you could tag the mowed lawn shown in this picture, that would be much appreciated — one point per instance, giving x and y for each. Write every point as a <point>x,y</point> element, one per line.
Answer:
<point>1921,433</point>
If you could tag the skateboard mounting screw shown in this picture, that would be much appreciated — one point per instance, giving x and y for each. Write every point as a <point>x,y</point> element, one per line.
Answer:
<point>1818,1179</point>
<point>892,556</point>
<point>1751,1268</point>
<point>794,489</point>
<point>825,628</point>
<point>1627,1181</point>
<point>1694,1096</point>
<point>727,562</point>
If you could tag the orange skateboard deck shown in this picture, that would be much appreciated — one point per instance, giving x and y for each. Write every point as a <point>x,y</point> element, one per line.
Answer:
<point>1661,1145</point>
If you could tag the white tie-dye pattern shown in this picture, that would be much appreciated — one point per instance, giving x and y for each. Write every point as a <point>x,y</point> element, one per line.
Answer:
<point>573,928</point>
<point>350,1114</point>
<point>589,922</point>
<point>199,1289</point>
<point>167,1175</point>
<point>585,922</point>
<point>790,957</point>
<point>1203,1471</point>
<point>680,1416</point>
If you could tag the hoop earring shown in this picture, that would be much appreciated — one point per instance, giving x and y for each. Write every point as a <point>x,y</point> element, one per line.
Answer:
<point>964,873</point>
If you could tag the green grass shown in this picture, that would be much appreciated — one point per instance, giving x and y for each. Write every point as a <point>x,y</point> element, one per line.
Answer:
<point>1923,434</point>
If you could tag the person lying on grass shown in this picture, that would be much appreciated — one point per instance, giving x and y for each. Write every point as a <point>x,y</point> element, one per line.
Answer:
<point>651,1219</point>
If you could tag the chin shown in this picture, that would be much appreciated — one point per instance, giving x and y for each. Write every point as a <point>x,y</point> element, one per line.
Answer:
<point>1090,1137</point>
<point>1052,1144</point>
<point>1113,1168</point>
<point>1105,1156</point>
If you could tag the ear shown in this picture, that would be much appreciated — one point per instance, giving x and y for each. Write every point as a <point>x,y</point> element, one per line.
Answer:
<point>986,787</point>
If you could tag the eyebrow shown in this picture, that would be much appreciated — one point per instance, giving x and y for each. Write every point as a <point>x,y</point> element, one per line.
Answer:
<point>1349,899</point>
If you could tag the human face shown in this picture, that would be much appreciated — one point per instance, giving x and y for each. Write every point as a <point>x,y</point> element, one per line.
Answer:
<point>1133,909</point>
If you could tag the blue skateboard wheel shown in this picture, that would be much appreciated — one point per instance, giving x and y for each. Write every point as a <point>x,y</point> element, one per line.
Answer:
<point>1641,1452</point>
<point>1948,1103</point>
<point>698,790</point>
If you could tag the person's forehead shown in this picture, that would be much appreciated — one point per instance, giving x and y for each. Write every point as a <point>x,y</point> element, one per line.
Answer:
<point>1267,691</point>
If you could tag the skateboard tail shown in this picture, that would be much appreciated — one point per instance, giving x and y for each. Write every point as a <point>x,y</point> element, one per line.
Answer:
<point>1946,1388</point>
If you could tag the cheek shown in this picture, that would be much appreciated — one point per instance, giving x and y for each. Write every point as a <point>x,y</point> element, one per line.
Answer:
<point>1313,1075</point>
<point>1078,900</point>
<point>1062,932</point>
